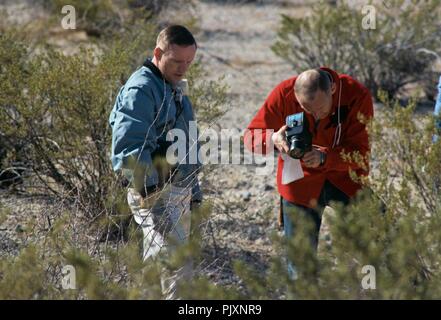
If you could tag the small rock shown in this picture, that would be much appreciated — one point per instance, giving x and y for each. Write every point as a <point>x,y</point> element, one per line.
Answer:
<point>245,195</point>
<point>268,187</point>
<point>241,184</point>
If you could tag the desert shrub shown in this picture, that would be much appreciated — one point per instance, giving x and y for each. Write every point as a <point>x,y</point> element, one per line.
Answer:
<point>107,19</point>
<point>37,271</point>
<point>93,16</point>
<point>208,98</point>
<point>99,271</point>
<point>157,6</point>
<point>54,111</point>
<point>400,50</point>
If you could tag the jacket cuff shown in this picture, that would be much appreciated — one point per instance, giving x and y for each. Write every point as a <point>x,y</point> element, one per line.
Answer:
<point>332,159</point>
<point>144,192</point>
<point>196,193</point>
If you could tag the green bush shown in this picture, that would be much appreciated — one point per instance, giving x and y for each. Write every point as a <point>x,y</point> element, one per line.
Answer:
<point>54,109</point>
<point>399,51</point>
<point>36,272</point>
<point>92,16</point>
<point>107,18</point>
<point>102,270</point>
<point>208,97</point>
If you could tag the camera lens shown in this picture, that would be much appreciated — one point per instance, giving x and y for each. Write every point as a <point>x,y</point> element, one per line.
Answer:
<point>297,148</point>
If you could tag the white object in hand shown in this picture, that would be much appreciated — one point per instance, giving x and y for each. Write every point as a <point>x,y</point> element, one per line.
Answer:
<point>292,169</point>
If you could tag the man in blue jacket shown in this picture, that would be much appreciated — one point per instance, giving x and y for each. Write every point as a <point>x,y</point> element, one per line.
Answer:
<point>148,107</point>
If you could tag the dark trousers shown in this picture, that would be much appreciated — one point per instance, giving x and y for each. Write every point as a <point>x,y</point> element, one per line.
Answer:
<point>292,213</point>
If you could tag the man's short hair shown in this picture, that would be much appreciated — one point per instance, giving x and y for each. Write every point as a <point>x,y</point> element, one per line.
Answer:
<point>175,34</point>
<point>311,81</point>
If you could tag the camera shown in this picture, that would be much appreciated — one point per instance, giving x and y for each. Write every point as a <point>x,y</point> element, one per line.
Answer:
<point>297,135</point>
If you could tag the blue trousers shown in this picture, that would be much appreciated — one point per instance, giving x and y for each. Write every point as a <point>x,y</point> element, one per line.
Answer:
<point>437,111</point>
<point>292,213</point>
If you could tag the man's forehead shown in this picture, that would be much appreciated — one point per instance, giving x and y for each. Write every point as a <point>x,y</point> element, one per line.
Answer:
<point>175,50</point>
<point>318,102</point>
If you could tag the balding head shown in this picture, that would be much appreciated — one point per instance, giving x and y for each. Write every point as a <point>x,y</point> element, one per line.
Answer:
<point>314,89</point>
<point>309,81</point>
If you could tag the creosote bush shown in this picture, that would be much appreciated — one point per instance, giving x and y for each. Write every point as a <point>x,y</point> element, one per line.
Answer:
<point>400,49</point>
<point>107,18</point>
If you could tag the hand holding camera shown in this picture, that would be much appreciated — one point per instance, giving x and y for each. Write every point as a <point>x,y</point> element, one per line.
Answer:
<point>314,158</point>
<point>295,139</point>
<point>279,140</point>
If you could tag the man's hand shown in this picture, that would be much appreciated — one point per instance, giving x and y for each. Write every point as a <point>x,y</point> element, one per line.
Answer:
<point>279,140</point>
<point>150,199</point>
<point>312,159</point>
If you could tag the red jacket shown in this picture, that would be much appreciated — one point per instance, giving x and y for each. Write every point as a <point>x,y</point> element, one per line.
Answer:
<point>355,99</point>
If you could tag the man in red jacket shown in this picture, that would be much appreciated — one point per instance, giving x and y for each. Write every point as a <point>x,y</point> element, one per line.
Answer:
<point>332,104</point>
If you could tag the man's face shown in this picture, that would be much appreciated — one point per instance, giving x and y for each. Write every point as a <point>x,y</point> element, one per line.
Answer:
<point>320,106</point>
<point>175,61</point>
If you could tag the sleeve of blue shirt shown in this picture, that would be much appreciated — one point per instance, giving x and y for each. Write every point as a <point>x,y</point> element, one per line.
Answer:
<point>134,132</point>
<point>438,111</point>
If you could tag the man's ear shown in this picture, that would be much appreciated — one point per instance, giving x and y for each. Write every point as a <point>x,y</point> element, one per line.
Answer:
<point>333,87</point>
<point>157,52</point>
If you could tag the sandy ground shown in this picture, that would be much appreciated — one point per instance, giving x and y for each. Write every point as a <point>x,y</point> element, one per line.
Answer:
<point>236,42</point>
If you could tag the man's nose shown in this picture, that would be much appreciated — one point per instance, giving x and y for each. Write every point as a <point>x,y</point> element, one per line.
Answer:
<point>183,68</point>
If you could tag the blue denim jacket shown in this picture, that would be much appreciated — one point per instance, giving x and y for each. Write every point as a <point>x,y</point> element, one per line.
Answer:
<point>144,111</point>
<point>438,110</point>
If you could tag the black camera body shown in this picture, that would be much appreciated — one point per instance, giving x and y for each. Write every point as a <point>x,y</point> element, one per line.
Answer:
<point>297,135</point>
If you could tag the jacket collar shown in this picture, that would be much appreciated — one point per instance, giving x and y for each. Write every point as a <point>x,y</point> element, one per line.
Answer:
<point>336,106</point>
<point>336,79</point>
<point>153,68</point>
